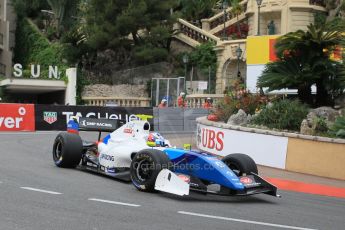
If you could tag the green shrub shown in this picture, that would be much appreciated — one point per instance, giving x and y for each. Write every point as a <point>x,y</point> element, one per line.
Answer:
<point>33,48</point>
<point>282,114</point>
<point>338,128</point>
<point>225,108</point>
<point>231,103</point>
<point>321,125</point>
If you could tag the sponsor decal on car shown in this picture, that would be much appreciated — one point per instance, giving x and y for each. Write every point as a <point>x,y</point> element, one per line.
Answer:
<point>183,177</point>
<point>128,130</point>
<point>95,124</point>
<point>50,117</point>
<point>220,164</point>
<point>246,180</point>
<point>107,157</point>
<point>17,117</point>
<point>249,182</point>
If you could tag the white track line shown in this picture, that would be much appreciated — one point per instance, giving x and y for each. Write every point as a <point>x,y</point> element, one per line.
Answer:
<point>244,221</point>
<point>40,190</point>
<point>114,202</point>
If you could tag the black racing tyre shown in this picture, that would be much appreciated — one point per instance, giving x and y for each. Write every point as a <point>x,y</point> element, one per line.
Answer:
<point>67,150</point>
<point>145,168</point>
<point>240,163</point>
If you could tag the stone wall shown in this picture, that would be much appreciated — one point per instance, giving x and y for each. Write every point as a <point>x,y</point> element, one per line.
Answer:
<point>111,75</point>
<point>123,90</point>
<point>142,74</point>
<point>125,83</point>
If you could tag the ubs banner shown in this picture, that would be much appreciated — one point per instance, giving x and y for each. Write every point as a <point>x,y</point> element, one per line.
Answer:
<point>266,150</point>
<point>55,117</point>
<point>17,117</point>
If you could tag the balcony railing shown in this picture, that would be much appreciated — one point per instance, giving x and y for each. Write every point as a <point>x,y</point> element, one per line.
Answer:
<point>218,19</point>
<point>194,32</point>
<point>118,101</point>
<point>198,100</point>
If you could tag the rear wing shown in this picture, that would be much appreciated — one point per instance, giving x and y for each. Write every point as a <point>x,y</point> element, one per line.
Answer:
<point>100,125</point>
<point>94,124</point>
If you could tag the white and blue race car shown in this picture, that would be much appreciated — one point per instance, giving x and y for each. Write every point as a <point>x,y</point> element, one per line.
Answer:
<point>131,152</point>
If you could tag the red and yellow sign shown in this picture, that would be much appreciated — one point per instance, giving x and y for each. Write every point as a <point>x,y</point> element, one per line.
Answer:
<point>260,50</point>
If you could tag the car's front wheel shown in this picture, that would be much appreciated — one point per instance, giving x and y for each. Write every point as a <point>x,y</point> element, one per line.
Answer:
<point>145,167</point>
<point>240,164</point>
<point>67,150</point>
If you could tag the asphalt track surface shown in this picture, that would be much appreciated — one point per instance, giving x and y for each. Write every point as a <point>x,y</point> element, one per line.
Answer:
<point>35,194</point>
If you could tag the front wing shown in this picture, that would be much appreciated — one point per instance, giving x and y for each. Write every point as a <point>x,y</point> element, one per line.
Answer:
<point>170,182</point>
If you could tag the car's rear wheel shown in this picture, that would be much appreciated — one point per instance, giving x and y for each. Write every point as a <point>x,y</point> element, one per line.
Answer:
<point>241,164</point>
<point>145,168</point>
<point>67,150</point>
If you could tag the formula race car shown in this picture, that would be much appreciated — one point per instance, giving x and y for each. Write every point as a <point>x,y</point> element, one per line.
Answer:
<point>133,153</point>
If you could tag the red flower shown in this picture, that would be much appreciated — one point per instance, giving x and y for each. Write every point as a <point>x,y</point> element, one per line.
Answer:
<point>212,117</point>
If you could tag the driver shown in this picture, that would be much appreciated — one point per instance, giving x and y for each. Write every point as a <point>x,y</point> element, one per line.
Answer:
<point>156,140</point>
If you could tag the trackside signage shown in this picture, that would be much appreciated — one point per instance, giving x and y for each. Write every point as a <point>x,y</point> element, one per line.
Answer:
<point>55,117</point>
<point>17,117</point>
<point>264,149</point>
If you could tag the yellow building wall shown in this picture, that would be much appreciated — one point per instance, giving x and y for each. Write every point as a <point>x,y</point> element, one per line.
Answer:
<point>316,158</point>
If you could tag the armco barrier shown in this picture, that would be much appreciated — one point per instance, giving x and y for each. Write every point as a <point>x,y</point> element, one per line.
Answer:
<point>313,155</point>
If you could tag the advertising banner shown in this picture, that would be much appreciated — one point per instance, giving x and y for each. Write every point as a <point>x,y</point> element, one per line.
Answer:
<point>55,117</point>
<point>17,117</point>
<point>267,150</point>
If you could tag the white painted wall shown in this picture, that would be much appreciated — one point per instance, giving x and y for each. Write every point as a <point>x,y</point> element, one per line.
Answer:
<point>71,89</point>
<point>266,150</point>
<point>255,71</point>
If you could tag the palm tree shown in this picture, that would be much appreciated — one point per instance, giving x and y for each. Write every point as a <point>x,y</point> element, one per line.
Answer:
<point>290,73</point>
<point>304,61</point>
<point>63,10</point>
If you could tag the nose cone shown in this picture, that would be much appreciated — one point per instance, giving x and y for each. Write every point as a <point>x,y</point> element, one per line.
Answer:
<point>220,173</point>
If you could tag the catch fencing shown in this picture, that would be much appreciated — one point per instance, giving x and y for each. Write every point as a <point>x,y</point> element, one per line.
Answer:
<point>177,119</point>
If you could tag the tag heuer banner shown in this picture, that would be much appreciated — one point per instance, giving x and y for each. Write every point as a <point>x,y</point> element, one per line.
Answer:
<point>50,117</point>
<point>55,117</point>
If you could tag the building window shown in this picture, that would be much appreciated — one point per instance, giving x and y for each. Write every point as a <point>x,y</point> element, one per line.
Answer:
<point>2,70</point>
